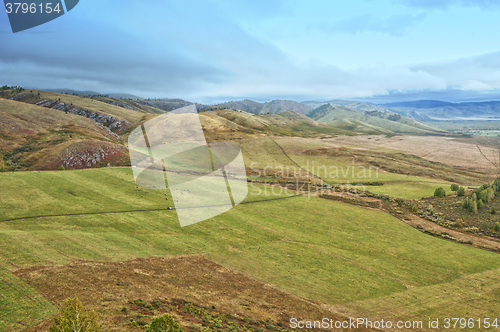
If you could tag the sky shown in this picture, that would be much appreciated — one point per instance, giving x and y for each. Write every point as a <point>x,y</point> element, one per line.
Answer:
<point>215,50</point>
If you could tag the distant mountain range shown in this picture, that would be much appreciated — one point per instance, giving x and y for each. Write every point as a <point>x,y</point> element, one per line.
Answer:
<point>438,110</point>
<point>368,122</point>
<point>421,110</point>
<point>272,107</point>
<point>426,110</point>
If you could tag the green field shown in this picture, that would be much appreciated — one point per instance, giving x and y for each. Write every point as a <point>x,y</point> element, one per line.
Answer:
<point>346,256</point>
<point>20,304</point>
<point>333,170</point>
<point>410,189</point>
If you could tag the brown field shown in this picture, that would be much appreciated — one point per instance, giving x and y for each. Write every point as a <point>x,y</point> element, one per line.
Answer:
<point>447,150</point>
<point>109,287</point>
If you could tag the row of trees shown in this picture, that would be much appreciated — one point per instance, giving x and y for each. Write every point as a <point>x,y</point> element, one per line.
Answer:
<point>440,192</point>
<point>477,199</point>
<point>482,195</point>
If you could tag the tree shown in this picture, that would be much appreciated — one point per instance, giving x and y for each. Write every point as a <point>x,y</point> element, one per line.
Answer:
<point>454,187</point>
<point>480,204</point>
<point>467,203</point>
<point>473,207</point>
<point>73,317</point>
<point>440,192</point>
<point>165,323</point>
<point>461,192</point>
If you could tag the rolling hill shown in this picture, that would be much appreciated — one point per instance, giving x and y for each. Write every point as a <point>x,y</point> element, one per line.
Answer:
<point>438,110</point>
<point>373,121</point>
<point>42,130</point>
<point>272,107</point>
<point>33,137</point>
<point>425,110</point>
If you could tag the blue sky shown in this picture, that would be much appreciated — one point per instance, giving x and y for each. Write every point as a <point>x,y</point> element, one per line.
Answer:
<point>215,50</point>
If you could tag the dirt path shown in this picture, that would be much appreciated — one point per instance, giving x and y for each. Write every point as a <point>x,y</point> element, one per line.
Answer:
<point>131,211</point>
<point>477,241</point>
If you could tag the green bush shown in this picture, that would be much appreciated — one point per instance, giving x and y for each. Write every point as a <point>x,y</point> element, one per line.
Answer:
<point>74,317</point>
<point>467,203</point>
<point>61,168</point>
<point>480,204</point>
<point>165,323</point>
<point>493,210</point>
<point>461,192</point>
<point>497,226</point>
<point>454,187</point>
<point>473,207</point>
<point>2,169</point>
<point>439,192</point>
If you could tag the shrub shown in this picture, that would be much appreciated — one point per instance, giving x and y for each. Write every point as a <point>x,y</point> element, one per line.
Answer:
<point>473,207</point>
<point>461,192</point>
<point>454,187</point>
<point>480,204</point>
<point>61,168</point>
<point>493,210</point>
<point>165,323</point>
<point>497,226</point>
<point>2,169</point>
<point>467,203</point>
<point>414,208</point>
<point>74,317</point>
<point>439,192</point>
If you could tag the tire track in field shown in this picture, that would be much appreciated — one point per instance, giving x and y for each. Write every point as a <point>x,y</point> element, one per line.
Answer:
<point>146,210</point>
<point>293,161</point>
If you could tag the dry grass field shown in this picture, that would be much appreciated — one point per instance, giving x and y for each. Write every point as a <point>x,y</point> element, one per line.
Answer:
<point>111,287</point>
<point>447,150</point>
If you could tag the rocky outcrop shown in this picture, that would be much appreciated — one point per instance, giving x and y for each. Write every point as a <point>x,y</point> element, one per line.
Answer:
<point>90,156</point>
<point>113,124</point>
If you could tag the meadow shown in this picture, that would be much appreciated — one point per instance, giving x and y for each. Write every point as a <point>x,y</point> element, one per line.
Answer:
<point>20,304</point>
<point>351,258</point>
<point>305,158</point>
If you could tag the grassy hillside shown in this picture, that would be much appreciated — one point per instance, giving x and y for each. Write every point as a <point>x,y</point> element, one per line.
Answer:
<point>272,107</point>
<point>227,125</point>
<point>20,304</point>
<point>33,137</point>
<point>396,173</point>
<point>34,96</point>
<point>368,122</point>
<point>328,251</point>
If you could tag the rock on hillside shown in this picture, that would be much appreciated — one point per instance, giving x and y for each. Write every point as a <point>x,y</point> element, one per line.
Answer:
<point>115,125</point>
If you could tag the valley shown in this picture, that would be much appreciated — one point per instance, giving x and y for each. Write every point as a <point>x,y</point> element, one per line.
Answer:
<point>336,222</point>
